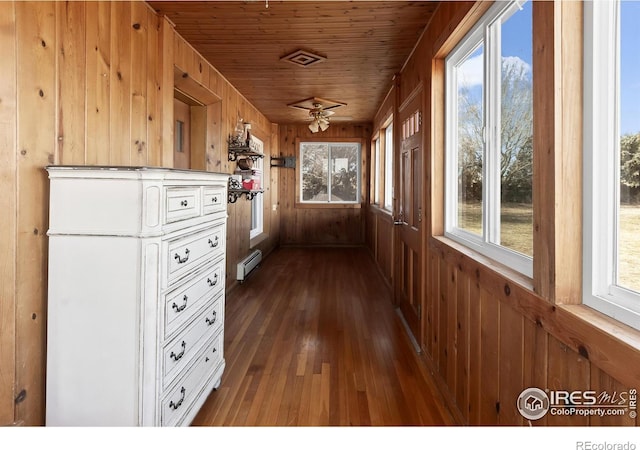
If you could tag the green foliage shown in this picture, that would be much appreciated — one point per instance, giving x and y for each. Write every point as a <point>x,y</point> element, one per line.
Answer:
<point>342,161</point>
<point>470,144</point>
<point>516,165</point>
<point>630,160</point>
<point>314,175</point>
<point>516,134</point>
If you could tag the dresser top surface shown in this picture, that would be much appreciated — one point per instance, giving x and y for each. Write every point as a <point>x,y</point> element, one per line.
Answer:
<point>73,171</point>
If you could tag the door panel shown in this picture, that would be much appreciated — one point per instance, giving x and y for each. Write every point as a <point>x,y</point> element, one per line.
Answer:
<point>409,216</point>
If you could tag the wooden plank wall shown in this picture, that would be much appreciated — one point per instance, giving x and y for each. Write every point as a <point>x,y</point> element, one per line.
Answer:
<point>321,226</point>
<point>234,107</point>
<point>379,222</point>
<point>8,203</point>
<point>95,86</point>
<point>486,332</point>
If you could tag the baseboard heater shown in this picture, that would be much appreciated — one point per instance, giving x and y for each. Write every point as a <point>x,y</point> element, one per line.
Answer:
<point>248,264</point>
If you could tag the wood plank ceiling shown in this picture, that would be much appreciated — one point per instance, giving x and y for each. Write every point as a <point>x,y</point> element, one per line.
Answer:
<point>364,42</point>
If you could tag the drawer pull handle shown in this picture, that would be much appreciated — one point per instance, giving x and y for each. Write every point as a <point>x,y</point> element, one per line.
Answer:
<point>175,406</point>
<point>214,282</point>
<point>181,354</point>
<point>182,260</point>
<point>182,307</point>
<point>184,203</point>
<point>214,199</point>
<point>214,243</point>
<point>211,321</point>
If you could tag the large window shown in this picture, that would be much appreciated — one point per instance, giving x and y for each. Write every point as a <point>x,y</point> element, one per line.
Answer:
<point>612,159</point>
<point>382,167</point>
<point>376,171</point>
<point>388,167</point>
<point>489,123</point>
<point>330,172</point>
<point>257,204</point>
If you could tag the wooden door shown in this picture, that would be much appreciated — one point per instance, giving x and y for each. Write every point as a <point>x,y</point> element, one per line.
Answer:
<point>181,134</point>
<point>408,215</point>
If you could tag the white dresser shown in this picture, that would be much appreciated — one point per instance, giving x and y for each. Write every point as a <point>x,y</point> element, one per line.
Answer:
<point>136,303</point>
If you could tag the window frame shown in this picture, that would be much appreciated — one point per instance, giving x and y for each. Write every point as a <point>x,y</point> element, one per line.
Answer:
<point>601,168</point>
<point>299,203</point>
<point>257,204</point>
<point>387,195</point>
<point>377,169</point>
<point>382,161</point>
<point>486,33</point>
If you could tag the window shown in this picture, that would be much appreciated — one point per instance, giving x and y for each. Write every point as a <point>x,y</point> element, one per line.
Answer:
<point>376,172</point>
<point>489,126</point>
<point>330,172</point>
<point>612,160</point>
<point>388,167</point>
<point>257,204</point>
<point>382,167</point>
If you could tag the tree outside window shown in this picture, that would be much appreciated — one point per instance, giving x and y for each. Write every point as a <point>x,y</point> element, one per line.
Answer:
<point>330,172</point>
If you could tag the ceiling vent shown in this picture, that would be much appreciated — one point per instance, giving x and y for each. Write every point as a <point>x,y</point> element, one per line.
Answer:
<point>303,58</point>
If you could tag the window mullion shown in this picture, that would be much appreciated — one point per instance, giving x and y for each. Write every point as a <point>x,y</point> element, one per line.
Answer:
<point>329,173</point>
<point>492,144</point>
<point>615,160</point>
<point>451,163</point>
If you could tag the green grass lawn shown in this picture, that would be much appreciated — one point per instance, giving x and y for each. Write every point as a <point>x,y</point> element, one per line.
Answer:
<point>516,230</point>
<point>629,247</point>
<point>517,234</point>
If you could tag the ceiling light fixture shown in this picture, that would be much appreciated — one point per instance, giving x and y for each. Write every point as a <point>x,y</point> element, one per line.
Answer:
<point>319,111</point>
<point>319,118</point>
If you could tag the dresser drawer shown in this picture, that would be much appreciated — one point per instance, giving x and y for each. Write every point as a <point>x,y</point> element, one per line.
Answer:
<point>180,351</point>
<point>213,200</point>
<point>183,302</point>
<point>182,203</point>
<point>179,400</point>
<point>188,251</point>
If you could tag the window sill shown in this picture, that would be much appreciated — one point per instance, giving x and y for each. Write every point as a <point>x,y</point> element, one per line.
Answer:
<point>299,205</point>
<point>254,241</point>
<point>505,271</point>
<point>608,344</point>
<point>380,209</point>
<point>617,331</point>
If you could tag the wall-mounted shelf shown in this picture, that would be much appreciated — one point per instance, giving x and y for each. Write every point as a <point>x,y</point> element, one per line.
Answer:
<point>236,190</point>
<point>243,151</point>
<point>234,194</point>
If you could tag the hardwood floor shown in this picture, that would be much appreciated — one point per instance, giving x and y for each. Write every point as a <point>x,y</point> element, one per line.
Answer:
<point>312,339</point>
